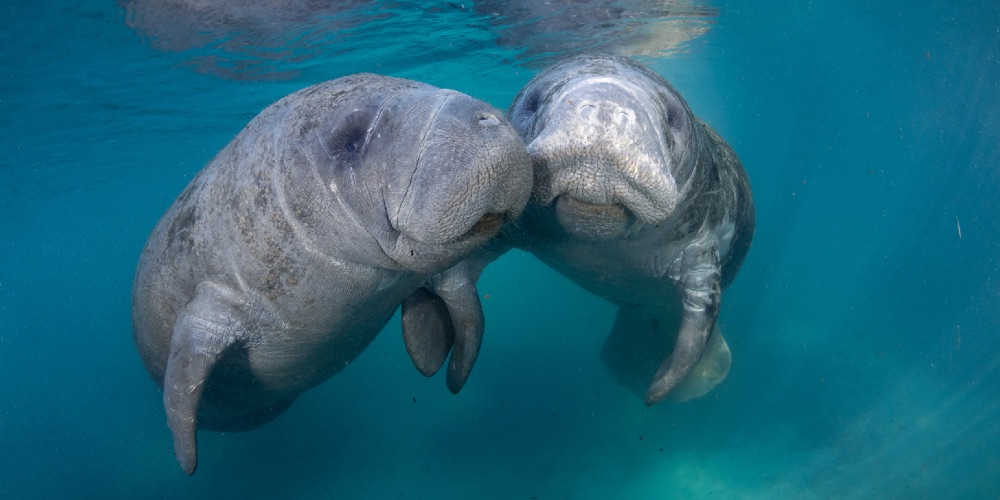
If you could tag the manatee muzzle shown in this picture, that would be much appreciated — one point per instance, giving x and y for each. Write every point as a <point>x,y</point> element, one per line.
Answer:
<point>602,143</point>
<point>592,221</point>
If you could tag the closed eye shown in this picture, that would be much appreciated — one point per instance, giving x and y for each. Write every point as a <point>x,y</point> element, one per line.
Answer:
<point>346,142</point>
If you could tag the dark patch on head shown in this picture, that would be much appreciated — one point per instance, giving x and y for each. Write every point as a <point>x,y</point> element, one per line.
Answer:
<point>347,141</point>
<point>532,101</point>
<point>533,98</point>
<point>677,117</point>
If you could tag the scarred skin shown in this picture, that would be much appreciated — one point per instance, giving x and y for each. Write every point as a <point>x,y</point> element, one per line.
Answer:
<point>289,252</point>
<point>641,203</point>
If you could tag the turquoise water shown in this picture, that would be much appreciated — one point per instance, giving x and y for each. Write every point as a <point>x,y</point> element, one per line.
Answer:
<point>865,323</point>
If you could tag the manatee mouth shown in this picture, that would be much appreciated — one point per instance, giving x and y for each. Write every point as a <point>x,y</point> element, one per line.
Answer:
<point>488,224</point>
<point>435,256</point>
<point>592,221</point>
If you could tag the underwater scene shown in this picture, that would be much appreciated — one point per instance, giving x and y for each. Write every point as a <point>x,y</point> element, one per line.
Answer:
<point>861,351</point>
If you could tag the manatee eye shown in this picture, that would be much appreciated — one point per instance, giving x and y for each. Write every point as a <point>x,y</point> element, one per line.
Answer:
<point>531,102</point>
<point>672,119</point>
<point>675,116</point>
<point>346,141</point>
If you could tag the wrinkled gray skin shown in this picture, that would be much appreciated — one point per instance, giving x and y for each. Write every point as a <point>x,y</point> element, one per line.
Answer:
<point>641,203</point>
<point>287,254</point>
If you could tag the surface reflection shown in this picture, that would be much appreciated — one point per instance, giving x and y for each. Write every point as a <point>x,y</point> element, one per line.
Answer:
<point>547,30</point>
<point>245,39</point>
<point>272,39</point>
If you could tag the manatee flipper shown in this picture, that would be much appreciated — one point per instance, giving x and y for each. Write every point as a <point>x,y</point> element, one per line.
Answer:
<point>204,330</point>
<point>710,371</point>
<point>642,337</point>
<point>462,299</point>
<point>427,330</point>
<point>698,276</point>
<point>446,315</point>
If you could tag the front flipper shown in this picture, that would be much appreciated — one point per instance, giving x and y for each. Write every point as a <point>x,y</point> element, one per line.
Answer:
<point>708,373</point>
<point>427,330</point>
<point>205,328</point>
<point>445,315</point>
<point>639,341</point>
<point>697,274</point>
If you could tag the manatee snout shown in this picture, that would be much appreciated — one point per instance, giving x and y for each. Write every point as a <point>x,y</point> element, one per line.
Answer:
<point>472,175</point>
<point>597,140</point>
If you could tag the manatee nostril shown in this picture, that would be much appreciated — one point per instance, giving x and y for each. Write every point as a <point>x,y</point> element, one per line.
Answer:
<point>587,110</point>
<point>488,120</point>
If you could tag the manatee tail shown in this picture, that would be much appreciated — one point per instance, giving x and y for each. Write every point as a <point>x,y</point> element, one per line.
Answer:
<point>639,341</point>
<point>195,348</point>
<point>697,274</point>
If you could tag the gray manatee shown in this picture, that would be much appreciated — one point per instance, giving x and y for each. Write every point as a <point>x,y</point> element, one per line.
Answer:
<point>641,203</point>
<point>289,252</point>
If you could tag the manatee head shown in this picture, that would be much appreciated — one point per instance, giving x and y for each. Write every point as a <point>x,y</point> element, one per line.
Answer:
<point>421,174</point>
<point>611,142</point>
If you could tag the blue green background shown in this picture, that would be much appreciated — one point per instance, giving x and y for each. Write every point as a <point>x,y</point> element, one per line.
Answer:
<point>864,325</point>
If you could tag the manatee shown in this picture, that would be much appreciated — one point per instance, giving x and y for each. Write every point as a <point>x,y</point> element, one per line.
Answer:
<point>292,248</point>
<point>638,201</point>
